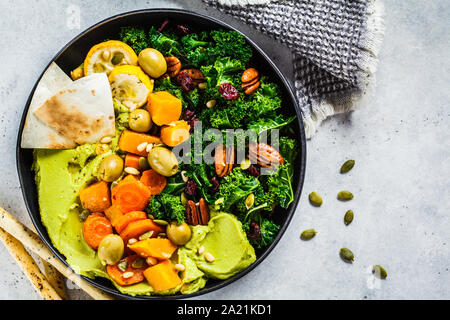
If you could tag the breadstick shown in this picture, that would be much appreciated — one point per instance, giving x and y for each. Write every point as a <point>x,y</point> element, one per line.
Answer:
<point>32,241</point>
<point>28,266</point>
<point>55,279</point>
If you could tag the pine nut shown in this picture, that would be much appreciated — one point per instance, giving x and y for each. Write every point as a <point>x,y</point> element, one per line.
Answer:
<point>132,240</point>
<point>106,140</point>
<point>142,146</point>
<point>132,171</point>
<point>149,147</point>
<point>184,177</point>
<point>151,261</point>
<point>128,275</point>
<point>200,250</point>
<point>106,55</point>
<point>180,267</point>
<point>211,103</point>
<point>202,86</point>
<point>209,257</point>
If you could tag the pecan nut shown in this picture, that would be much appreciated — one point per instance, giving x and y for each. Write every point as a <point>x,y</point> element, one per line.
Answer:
<point>250,81</point>
<point>173,66</point>
<point>191,213</point>
<point>223,160</point>
<point>203,212</point>
<point>264,155</point>
<point>197,213</point>
<point>196,75</point>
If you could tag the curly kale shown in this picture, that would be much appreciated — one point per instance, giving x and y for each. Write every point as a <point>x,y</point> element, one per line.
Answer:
<point>232,44</point>
<point>135,37</point>
<point>236,186</point>
<point>166,207</point>
<point>269,231</point>
<point>166,43</point>
<point>288,148</point>
<point>279,185</point>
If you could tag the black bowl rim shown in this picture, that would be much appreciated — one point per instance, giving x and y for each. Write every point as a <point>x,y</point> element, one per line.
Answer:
<point>301,172</point>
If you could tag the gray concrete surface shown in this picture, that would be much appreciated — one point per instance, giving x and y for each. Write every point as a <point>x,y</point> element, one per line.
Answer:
<point>399,137</point>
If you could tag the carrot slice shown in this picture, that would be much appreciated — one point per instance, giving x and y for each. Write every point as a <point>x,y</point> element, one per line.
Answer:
<point>117,275</point>
<point>96,197</point>
<point>130,140</point>
<point>154,181</point>
<point>132,160</point>
<point>113,214</point>
<point>137,228</point>
<point>130,195</point>
<point>126,219</point>
<point>95,228</point>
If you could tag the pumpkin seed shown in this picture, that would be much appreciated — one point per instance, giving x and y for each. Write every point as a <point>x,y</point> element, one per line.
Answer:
<point>250,201</point>
<point>183,198</point>
<point>245,164</point>
<point>347,255</point>
<point>348,218</point>
<point>150,216</point>
<point>143,164</point>
<point>84,214</point>
<point>379,271</point>
<point>117,58</point>
<point>146,235</point>
<point>315,199</point>
<point>138,263</point>
<point>345,195</point>
<point>123,265</point>
<point>161,222</point>
<point>308,234</point>
<point>347,166</point>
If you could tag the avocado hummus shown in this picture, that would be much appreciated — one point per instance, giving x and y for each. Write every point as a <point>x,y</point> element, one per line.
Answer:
<point>224,238</point>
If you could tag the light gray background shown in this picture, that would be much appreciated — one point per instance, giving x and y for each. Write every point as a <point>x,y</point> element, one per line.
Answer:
<point>399,137</point>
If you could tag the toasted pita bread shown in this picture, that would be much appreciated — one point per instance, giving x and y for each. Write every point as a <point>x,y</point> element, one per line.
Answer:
<point>83,112</point>
<point>36,134</point>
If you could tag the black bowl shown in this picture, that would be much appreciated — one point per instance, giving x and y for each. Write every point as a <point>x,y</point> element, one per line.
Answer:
<point>73,54</point>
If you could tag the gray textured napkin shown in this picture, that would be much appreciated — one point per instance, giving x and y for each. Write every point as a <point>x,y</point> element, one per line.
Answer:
<point>334,43</point>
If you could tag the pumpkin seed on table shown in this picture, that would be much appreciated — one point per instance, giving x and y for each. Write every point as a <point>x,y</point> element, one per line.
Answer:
<point>345,195</point>
<point>379,271</point>
<point>347,166</point>
<point>347,255</point>
<point>348,218</point>
<point>308,234</point>
<point>315,199</point>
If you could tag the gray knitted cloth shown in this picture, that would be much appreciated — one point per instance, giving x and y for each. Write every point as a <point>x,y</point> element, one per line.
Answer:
<point>335,44</point>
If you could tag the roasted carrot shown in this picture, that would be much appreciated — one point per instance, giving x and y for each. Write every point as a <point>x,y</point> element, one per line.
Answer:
<point>126,219</point>
<point>154,181</point>
<point>130,195</point>
<point>162,276</point>
<point>132,160</point>
<point>113,214</point>
<point>95,228</point>
<point>175,133</point>
<point>96,197</point>
<point>137,274</point>
<point>137,228</point>
<point>130,140</point>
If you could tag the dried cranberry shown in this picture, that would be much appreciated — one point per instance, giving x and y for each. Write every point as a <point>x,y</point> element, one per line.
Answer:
<point>164,25</point>
<point>215,184</point>
<point>253,171</point>
<point>188,115</point>
<point>183,29</point>
<point>254,232</point>
<point>190,189</point>
<point>228,92</point>
<point>192,124</point>
<point>185,81</point>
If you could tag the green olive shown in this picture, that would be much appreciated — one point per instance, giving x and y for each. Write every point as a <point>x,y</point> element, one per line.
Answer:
<point>110,168</point>
<point>153,62</point>
<point>180,234</point>
<point>110,249</point>
<point>163,161</point>
<point>140,120</point>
